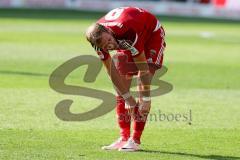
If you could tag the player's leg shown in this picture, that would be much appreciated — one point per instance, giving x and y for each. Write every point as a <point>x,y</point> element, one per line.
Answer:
<point>154,53</point>
<point>123,117</point>
<point>154,49</point>
<point>139,122</point>
<point>139,119</point>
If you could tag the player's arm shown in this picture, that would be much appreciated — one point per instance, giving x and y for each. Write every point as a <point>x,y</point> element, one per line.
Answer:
<point>141,62</point>
<point>145,82</point>
<point>116,79</point>
<point>143,74</point>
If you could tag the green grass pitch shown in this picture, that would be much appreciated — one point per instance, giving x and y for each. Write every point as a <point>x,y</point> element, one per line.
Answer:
<point>203,61</point>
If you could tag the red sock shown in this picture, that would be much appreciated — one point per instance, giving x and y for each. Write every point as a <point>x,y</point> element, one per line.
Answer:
<point>138,125</point>
<point>124,119</point>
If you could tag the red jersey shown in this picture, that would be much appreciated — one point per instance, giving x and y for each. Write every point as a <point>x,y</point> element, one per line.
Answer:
<point>135,25</point>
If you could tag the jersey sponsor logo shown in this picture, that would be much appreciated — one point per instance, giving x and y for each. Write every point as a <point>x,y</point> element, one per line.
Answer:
<point>126,44</point>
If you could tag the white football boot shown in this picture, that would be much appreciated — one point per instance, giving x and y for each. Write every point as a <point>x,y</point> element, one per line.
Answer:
<point>130,146</point>
<point>115,145</point>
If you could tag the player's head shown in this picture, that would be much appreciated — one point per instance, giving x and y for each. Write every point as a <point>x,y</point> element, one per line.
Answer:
<point>101,37</point>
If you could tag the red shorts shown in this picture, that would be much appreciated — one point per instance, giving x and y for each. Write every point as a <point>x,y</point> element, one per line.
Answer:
<point>153,50</point>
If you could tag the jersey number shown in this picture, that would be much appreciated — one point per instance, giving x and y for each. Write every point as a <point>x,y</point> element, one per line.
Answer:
<point>114,14</point>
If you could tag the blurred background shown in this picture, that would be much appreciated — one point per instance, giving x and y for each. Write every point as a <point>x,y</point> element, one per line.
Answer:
<point>229,9</point>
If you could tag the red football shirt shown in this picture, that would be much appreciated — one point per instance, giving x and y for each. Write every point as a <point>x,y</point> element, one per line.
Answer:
<point>135,25</point>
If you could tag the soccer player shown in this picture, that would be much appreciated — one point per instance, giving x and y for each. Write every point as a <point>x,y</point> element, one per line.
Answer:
<point>138,38</point>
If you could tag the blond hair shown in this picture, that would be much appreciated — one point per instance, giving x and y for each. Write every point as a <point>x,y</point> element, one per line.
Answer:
<point>94,32</point>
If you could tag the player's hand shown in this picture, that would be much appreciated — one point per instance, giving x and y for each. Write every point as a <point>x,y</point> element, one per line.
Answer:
<point>144,107</point>
<point>130,104</point>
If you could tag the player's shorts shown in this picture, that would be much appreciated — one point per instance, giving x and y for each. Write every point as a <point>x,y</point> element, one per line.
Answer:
<point>153,50</point>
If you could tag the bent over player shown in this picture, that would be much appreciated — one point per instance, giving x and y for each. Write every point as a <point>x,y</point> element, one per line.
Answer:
<point>138,38</point>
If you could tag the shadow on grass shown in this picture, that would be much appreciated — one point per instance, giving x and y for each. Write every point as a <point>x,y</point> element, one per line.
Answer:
<point>213,157</point>
<point>24,73</point>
